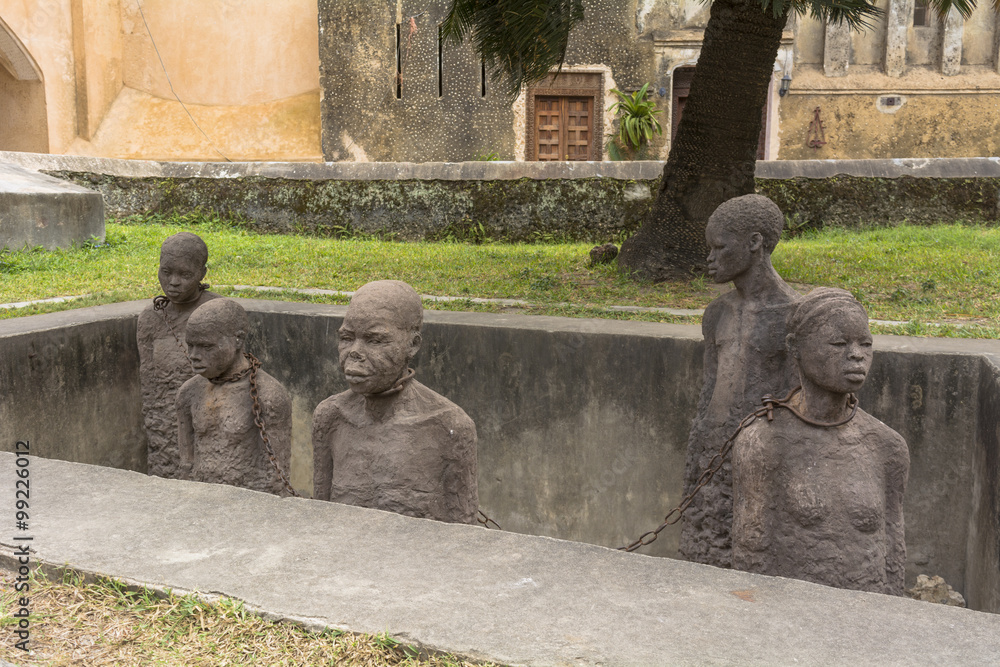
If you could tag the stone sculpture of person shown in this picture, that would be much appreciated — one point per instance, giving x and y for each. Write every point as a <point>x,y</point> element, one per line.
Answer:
<point>219,439</point>
<point>819,496</point>
<point>389,442</point>
<point>163,362</point>
<point>744,359</point>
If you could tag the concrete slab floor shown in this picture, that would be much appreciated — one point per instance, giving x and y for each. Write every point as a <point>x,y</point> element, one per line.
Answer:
<point>479,593</point>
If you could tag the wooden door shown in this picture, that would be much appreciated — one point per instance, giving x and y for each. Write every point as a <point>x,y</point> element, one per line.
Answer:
<point>563,127</point>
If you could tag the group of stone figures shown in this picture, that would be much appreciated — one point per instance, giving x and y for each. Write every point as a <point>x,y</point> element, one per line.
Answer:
<point>813,489</point>
<point>212,415</point>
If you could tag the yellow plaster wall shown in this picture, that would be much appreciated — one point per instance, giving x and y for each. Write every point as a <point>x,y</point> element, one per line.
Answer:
<point>977,38</point>
<point>22,108</point>
<point>223,52</point>
<point>100,31</point>
<point>929,123</point>
<point>868,46</point>
<point>45,28</point>
<point>142,126</point>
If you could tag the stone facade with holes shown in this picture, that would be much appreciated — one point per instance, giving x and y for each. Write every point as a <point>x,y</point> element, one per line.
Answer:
<point>357,80</point>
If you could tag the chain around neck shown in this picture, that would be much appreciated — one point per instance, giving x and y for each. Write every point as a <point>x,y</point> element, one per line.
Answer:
<point>770,403</point>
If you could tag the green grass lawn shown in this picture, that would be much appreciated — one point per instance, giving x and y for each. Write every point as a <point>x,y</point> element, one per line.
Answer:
<point>940,274</point>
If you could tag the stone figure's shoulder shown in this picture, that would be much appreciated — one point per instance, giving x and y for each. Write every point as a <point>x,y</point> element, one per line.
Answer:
<point>331,409</point>
<point>764,437</point>
<point>192,389</point>
<point>208,296</point>
<point>876,431</point>
<point>271,389</point>
<point>425,400</point>
<point>721,308</point>
<point>149,322</point>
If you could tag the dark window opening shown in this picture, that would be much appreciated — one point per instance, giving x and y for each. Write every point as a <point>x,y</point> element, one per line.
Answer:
<point>440,61</point>
<point>921,14</point>
<point>482,78</point>
<point>399,67</point>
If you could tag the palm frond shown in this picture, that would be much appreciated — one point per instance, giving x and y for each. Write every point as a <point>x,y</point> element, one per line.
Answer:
<point>857,14</point>
<point>520,41</point>
<point>964,7</point>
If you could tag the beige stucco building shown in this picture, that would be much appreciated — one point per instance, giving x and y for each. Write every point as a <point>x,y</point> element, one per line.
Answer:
<point>84,77</point>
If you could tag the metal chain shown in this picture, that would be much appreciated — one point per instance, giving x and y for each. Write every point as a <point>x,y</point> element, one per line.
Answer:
<point>714,465</point>
<point>258,419</point>
<point>485,521</point>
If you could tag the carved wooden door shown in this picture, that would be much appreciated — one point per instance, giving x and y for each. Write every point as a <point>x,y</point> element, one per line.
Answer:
<point>563,127</point>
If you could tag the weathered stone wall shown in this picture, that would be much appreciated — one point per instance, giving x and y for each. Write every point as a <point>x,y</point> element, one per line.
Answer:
<point>518,201</point>
<point>582,423</point>
<point>370,114</point>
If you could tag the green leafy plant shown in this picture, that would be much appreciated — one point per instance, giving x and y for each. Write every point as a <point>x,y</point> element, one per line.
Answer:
<point>637,124</point>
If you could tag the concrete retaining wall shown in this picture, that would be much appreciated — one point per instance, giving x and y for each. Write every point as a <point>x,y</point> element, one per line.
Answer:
<point>518,201</point>
<point>582,423</point>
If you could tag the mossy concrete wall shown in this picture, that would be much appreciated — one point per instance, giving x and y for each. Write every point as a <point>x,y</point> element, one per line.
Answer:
<point>582,423</point>
<point>518,201</point>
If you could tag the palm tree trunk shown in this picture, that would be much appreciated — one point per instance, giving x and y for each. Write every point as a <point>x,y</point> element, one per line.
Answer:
<point>713,156</point>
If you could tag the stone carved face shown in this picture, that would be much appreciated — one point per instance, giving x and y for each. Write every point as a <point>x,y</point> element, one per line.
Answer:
<point>837,354</point>
<point>213,353</point>
<point>374,350</point>
<point>180,274</point>
<point>730,254</point>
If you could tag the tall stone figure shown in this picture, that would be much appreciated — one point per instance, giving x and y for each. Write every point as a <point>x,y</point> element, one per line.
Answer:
<point>163,362</point>
<point>218,409</point>
<point>818,490</point>
<point>389,442</point>
<point>744,359</point>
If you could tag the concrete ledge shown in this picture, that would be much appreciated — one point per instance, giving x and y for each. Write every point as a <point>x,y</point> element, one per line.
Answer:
<point>582,424</point>
<point>985,167</point>
<point>484,594</point>
<point>38,210</point>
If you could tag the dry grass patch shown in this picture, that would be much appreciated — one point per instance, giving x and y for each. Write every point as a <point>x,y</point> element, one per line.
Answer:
<point>105,623</point>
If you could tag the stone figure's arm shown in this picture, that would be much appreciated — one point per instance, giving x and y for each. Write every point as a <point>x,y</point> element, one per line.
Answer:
<point>897,471</point>
<point>461,481</point>
<point>752,518</point>
<point>323,429</point>
<point>278,420</point>
<point>185,430</point>
<point>144,336</point>
<point>710,356</point>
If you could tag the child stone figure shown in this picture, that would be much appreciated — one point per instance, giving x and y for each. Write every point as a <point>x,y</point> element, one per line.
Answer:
<point>389,442</point>
<point>163,362</point>
<point>818,490</point>
<point>217,409</point>
<point>745,358</point>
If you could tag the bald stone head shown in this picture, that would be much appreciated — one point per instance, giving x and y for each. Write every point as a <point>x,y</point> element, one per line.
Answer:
<point>742,232</point>
<point>215,335</point>
<point>380,335</point>
<point>183,259</point>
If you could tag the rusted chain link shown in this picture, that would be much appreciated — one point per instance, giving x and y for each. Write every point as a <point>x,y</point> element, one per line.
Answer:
<point>486,521</point>
<point>258,419</point>
<point>253,365</point>
<point>766,410</point>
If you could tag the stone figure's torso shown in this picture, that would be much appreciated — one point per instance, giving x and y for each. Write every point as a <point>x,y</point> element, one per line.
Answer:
<point>745,358</point>
<point>820,504</point>
<point>420,462</point>
<point>227,445</point>
<point>163,368</point>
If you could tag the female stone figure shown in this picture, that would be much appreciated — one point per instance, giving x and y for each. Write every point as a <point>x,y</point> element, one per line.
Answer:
<point>818,490</point>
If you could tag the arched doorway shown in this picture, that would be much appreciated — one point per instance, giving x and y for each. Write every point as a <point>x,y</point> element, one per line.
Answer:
<point>22,97</point>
